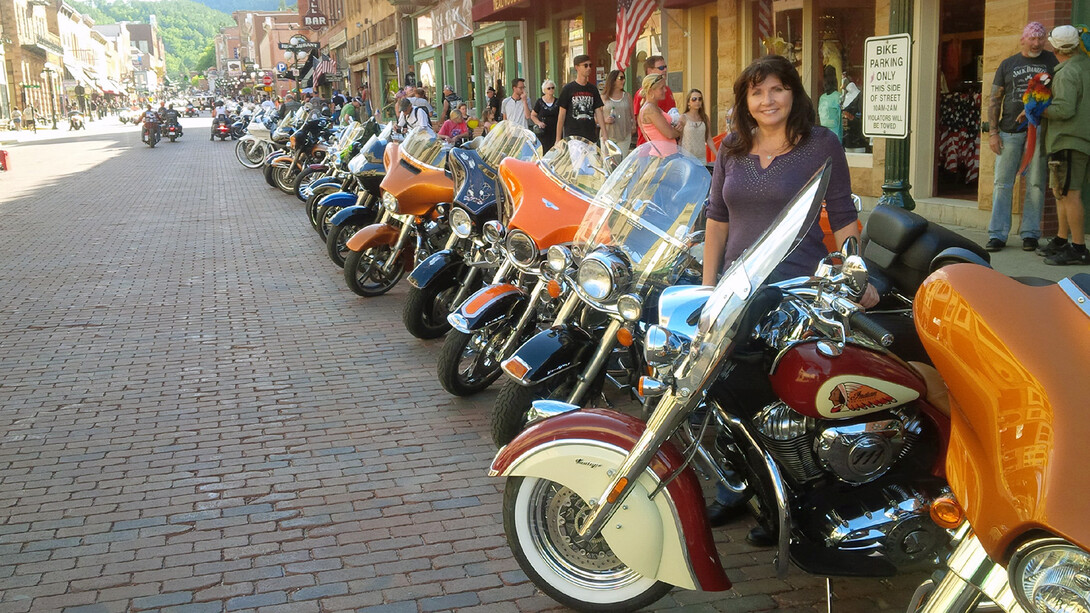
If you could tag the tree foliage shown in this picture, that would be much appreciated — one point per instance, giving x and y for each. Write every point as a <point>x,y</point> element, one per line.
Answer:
<point>187,27</point>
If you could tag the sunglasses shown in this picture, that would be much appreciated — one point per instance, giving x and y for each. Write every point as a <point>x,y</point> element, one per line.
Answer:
<point>621,77</point>
<point>663,67</point>
<point>550,87</point>
<point>696,99</point>
<point>586,65</point>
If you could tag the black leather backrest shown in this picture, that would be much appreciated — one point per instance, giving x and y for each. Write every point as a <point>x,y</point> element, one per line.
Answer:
<point>889,231</point>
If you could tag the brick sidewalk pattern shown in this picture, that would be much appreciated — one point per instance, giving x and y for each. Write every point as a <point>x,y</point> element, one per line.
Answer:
<point>197,415</point>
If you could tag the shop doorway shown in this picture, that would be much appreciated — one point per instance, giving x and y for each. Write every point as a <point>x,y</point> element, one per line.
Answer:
<point>958,110</point>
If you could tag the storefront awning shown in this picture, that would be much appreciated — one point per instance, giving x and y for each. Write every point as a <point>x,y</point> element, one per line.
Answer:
<point>76,72</point>
<point>502,10</point>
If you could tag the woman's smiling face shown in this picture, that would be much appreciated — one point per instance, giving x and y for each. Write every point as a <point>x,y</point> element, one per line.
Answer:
<point>769,102</point>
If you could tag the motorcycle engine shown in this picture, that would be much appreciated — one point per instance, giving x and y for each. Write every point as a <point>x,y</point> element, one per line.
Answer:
<point>854,452</point>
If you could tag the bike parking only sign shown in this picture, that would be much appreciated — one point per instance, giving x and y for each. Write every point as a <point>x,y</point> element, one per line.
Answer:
<point>886,63</point>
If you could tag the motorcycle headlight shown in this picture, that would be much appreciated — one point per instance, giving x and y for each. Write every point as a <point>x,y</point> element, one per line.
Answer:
<point>602,274</point>
<point>559,258</point>
<point>492,231</point>
<point>521,248</point>
<point>461,224</point>
<point>389,202</point>
<point>1050,575</point>
<point>630,307</point>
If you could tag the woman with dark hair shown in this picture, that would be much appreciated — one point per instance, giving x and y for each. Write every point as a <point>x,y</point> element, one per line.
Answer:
<point>774,147</point>
<point>619,118</point>
<point>696,128</point>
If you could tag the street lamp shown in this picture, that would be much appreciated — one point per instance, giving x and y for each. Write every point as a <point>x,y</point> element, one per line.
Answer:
<point>295,54</point>
<point>47,73</point>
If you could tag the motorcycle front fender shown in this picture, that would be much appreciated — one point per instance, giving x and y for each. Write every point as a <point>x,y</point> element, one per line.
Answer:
<point>551,352</point>
<point>248,137</point>
<point>338,200</point>
<point>318,166</point>
<point>325,181</point>
<point>488,305</point>
<point>440,265</point>
<point>284,161</point>
<point>666,537</point>
<point>372,236</point>
<point>349,213</point>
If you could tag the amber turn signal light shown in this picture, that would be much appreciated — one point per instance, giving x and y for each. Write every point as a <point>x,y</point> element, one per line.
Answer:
<point>616,492</point>
<point>947,513</point>
<point>624,337</point>
<point>516,368</point>
<point>553,287</point>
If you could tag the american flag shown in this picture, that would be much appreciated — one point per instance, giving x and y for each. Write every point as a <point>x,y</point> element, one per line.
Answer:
<point>631,15</point>
<point>323,66</point>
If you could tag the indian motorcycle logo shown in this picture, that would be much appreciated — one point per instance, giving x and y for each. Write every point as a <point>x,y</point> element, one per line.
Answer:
<point>858,397</point>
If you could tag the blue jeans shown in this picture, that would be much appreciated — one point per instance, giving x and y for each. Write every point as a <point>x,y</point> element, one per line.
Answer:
<point>1006,168</point>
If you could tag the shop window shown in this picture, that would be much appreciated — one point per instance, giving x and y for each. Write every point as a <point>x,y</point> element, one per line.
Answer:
<point>842,27</point>
<point>494,67</point>
<point>571,45</point>
<point>957,138</point>
<point>648,44</point>
<point>425,32</point>
<point>427,79</point>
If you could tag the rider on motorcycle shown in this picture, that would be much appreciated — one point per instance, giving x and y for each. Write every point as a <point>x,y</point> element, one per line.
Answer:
<point>170,118</point>
<point>151,121</point>
<point>219,115</point>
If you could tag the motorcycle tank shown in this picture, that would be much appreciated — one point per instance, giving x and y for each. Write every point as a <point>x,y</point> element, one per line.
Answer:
<point>814,381</point>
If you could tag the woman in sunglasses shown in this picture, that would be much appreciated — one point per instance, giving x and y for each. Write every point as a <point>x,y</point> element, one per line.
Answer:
<point>696,129</point>
<point>545,115</point>
<point>619,118</point>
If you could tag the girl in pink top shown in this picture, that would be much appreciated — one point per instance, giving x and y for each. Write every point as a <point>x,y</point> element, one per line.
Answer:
<point>454,128</point>
<point>653,121</point>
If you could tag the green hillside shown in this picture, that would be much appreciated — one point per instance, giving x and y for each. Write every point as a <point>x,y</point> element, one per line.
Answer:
<point>187,27</point>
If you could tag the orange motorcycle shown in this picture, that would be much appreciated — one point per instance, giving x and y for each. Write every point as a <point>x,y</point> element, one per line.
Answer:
<point>1015,462</point>
<point>543,203</point>
<point>415,192</point>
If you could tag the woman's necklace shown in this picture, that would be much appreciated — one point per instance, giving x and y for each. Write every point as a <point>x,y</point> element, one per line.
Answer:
<point>768,155</point>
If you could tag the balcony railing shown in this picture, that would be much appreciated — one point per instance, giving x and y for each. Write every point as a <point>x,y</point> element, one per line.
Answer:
<point>46,42</point>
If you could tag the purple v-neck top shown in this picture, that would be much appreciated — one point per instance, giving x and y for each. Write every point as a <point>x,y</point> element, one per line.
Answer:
<point>750,197</point>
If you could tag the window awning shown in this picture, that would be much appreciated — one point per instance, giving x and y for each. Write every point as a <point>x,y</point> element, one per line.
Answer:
<point>502,10</point>
<point>76,72</point>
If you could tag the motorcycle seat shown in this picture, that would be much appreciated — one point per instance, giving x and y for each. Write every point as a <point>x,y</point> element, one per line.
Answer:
<point>937,394</point>
<point>1082,281</point>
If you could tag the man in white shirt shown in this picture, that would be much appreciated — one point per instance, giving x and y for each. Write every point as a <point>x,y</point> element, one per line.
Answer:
<point>514,108</point>
<point>410,116</point>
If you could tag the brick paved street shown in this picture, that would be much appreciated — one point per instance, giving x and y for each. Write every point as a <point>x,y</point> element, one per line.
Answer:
<point>197,415</point>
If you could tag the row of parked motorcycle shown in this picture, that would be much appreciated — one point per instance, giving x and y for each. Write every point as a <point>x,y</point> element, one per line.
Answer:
<point>940,429</point>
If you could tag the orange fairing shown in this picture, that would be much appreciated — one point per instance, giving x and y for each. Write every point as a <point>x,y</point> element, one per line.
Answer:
<point>417,189</point>
<point>543,208</point>
<point>1014,358</point>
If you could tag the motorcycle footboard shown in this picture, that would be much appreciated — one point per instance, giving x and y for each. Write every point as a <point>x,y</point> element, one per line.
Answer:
<point>549,353</point>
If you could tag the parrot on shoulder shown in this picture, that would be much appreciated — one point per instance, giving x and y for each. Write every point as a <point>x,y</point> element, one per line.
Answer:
<point>1036,99</point>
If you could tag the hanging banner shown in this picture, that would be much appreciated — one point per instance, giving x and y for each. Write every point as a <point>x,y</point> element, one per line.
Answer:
<point>451,20</point>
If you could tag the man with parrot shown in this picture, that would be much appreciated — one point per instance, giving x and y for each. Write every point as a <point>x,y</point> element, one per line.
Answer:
<point>1007,139</point>
<point>1067,141</point>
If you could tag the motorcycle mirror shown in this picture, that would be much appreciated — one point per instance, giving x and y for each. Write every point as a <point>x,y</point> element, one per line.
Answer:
<point>854,270</point>
<point>850,247</point>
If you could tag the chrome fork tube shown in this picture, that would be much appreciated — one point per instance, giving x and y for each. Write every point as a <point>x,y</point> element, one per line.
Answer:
<point>524,320</point>
<point>663,421</point>
<point>605,346</point>
<point>731,483</point>
<point>566,309</point>
<point>971,575</point>
<point>395,253</point>
<point>467,283</point>
<point>501,274</point>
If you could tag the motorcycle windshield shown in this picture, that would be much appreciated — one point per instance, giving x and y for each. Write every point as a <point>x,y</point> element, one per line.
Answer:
<point>423,148</point>
<point>577,162</point>
<point>506,139</point>
<point>717,329</point>
<point>372,150</point>
<point>644,212</point>
<point>349,134</point>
